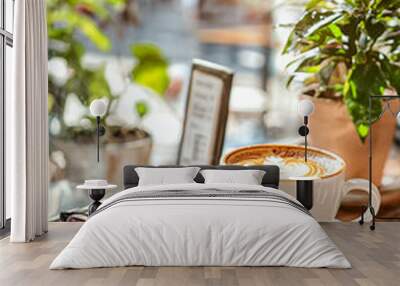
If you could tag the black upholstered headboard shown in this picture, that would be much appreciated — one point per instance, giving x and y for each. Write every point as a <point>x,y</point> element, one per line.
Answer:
<point>270,179</point>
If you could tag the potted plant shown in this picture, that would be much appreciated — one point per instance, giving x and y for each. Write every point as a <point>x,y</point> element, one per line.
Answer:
<point>70,24</point>
<point>346,51</point>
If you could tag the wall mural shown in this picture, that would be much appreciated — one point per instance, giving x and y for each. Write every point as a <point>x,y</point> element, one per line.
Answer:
<point>136,56</point>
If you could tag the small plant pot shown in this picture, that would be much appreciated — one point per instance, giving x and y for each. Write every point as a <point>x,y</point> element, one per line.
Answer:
<point>81,162</point>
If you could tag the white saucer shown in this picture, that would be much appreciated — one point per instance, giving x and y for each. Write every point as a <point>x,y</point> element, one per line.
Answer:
<point>96,185</point>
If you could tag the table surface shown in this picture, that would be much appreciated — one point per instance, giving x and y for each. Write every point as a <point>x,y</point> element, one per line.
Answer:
<point>86,187</point>
<point>302,178</point>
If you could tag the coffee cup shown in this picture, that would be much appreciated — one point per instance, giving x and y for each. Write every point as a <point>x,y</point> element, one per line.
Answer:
<point>330,187</point>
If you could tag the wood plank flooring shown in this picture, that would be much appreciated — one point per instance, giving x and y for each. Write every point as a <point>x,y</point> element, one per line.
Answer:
<point>375,257</point>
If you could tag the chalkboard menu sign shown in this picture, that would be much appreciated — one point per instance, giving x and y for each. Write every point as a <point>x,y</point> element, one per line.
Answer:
<point>206,114</point>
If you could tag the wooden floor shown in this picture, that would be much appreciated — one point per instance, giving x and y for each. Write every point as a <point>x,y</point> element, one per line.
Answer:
<point>375,257</point>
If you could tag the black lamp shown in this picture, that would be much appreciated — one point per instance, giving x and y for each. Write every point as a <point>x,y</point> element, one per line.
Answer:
<point>304,186</point>
<point>305,109</point>
<point>98,108</point>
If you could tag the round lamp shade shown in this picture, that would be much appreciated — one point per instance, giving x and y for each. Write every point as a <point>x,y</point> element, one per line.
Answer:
<point>305,107</point>
<point>98,107</point>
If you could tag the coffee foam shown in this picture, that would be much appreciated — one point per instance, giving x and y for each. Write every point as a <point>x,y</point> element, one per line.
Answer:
<point>316,166</point>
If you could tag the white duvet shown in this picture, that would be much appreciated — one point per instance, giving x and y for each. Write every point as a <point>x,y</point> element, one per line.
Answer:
<point>200,231</point>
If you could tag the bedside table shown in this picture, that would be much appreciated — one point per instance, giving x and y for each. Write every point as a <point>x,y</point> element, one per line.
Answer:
<point>97,189</point>
<point>304,190</point>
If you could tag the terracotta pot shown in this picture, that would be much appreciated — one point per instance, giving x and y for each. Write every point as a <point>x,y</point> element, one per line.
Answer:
<point>331,129</point>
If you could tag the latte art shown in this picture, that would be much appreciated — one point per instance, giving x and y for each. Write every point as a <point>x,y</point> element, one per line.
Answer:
<point>296,167</point>
<point>289,158</point>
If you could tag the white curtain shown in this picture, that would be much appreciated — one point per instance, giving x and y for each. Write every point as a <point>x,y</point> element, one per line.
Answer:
<point>26,123</point>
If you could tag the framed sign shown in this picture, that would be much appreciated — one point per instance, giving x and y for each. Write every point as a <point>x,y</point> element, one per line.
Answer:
<point>207,107</point>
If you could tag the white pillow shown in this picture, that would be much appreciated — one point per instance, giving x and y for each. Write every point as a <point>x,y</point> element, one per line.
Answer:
<point>165,176</point>
<point>247,177</point>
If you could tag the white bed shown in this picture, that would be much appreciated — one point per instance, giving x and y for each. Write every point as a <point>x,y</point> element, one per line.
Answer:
<point>185,230</point>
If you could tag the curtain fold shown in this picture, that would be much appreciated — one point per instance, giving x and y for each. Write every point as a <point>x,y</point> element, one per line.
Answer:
<point>27,126</point>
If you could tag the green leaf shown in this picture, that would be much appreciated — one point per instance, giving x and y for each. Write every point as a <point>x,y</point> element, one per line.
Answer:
<point>147,51</point>
<point>300,30</point>
<point>290,80</point>
<point>312,4</point>
<point>152,68</point>
<point>289,43</point>
<point>311,30</point>
<point>364,81</point>
<point>312,57</point>
<point>311,69</point>
<point>325,21</point>
<point>88,85</point>
<point>392,73</point>
<point>97,85</point>
<point>335,30</point>
<point>362,130</point>
<point>81,23</point>
<point>141,108</point>
<point>93,33</point>
<point>152,76</point>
